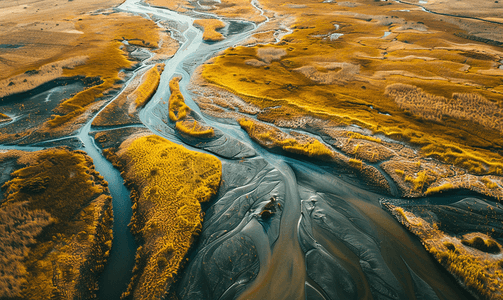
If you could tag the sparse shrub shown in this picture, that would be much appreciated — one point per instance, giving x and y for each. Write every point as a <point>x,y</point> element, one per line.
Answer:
<point>471,107</point>
<point>162,262</point>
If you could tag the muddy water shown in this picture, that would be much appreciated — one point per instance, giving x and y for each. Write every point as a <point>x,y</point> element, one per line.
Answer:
<point>327,238</point>
<point>322,218</point>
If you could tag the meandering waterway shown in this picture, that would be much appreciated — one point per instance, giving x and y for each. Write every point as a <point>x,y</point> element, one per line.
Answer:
<point>324,219</point>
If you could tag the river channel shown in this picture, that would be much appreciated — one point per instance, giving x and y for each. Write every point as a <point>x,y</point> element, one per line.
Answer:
<point>329,240</point>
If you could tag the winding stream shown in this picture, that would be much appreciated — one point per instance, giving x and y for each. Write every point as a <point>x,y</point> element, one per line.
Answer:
<point>323,217</point>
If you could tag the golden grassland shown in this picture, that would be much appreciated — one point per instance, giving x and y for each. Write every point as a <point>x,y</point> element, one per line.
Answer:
<point>85,45</point>
<point>106,58</point>
<point>439,189</point>
<point>32,24</point>
<point>269,136</point>
<point>123,110</point>
<point>179,112</point>
<point>148,86</point>
<point>345,79</point>
<point>297,143</point>
<point>177,108</point>
<point>194,129</point>
<point>209,27</point>
<point>470,107</point>
<point>57,191</point>
<point>168,184</point>
<point>469,258</point>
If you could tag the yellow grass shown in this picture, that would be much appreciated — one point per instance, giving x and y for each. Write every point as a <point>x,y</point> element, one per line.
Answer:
<point>479,272</point>
<point>489,245</point>
<point>401,212</point>
<point>179,113</point>
<point>480,276</point>
<point>210,26</point>
<point>193,128</point>
<point>177,107</point>
<point>489,183</point>
<point>339,80</point>
<point>147,88</point>
<point>18,230</point>
<point>355,163</point>
<point>105,58</point>
<point>270,137</point>
<point>475,161</point>
<point>439,189</point>
<point>61,192</point>
<point>419,181</point>
<point>356,135</point>
<point>169,182</point>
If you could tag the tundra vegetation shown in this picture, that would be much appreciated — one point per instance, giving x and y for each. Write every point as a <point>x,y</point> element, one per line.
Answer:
<point>376,83</point>
<point>210,27</point>
<point>97,50</point>
<point>56,226</point>
<point>270,137</point>
<point>472,258</point>
<point>168,183</point>
<point>148,86</point>
<point>179,112</point>
<point>422,103</point>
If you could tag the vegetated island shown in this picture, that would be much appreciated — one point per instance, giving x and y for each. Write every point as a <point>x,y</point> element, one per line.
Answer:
<point>209,27</point>
<point>465,238</point>
<point>180,113</point>
<point>422,104</point>
<point>96,62</point>
<point>124,109</point>
<point>168,183</point>
<point>56,226</point>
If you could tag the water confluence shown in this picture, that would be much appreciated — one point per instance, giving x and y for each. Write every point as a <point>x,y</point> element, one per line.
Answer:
<point>282,273</point>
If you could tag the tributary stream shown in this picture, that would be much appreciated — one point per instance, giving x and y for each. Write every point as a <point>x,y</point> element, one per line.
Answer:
<point>330,239</point>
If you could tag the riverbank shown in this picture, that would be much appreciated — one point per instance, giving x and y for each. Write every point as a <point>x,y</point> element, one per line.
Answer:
<point>57,225</point>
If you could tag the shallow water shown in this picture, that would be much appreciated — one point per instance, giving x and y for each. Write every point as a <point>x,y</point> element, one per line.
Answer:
<point>328,238</point>
<point>275,258</point>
